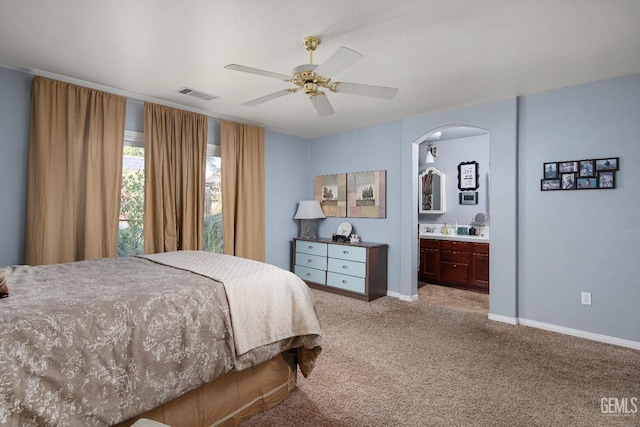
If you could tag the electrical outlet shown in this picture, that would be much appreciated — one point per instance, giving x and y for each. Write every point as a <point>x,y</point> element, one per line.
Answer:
<point>586,298</point>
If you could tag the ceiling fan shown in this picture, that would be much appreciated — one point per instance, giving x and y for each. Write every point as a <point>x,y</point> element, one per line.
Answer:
<point>311,78</point>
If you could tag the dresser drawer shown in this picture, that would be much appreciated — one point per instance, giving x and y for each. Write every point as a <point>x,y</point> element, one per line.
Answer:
<point>342,281</point>
<point>351,268</point>
<point>311,261</point>
<point>312,248</point>
<point>310,274</point>
<point>351,253</point>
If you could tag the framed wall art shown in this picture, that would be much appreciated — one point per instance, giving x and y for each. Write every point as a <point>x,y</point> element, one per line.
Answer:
<point>549,184</point>
<point>468,176</point>
<point>331,192</point>
<point>606,180</point>
<point>367,194</point>
<point>587,174</point>
<point>610,164</point>
<point>587,183</point>
<point>551,170</point>
<point>587,167</point>
<point>568,181</point>
<point>565,167</point>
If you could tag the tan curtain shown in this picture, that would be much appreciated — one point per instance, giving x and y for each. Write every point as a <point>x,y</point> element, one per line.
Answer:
<point>175,145</point>
<point>75,169</point>
<point>243,222</point>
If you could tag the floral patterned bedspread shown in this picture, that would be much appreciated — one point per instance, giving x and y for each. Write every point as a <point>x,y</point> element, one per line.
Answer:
<point>94,343</point>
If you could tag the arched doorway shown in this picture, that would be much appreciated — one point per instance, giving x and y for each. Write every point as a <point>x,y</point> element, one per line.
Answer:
<point>445,150</point>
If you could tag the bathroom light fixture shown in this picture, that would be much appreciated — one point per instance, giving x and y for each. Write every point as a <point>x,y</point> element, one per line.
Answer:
<point>308,211</point>
<point>431,153</point>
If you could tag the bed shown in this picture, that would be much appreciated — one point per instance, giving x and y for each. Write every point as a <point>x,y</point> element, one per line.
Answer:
<point>185,338</point>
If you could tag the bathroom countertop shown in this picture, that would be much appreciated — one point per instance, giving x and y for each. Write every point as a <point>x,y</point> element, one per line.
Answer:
<point>460,238</point>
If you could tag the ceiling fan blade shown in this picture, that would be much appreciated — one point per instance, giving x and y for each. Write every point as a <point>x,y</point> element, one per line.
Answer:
<point>366,90</point>
<point>269,97</point>
<point>321,104</point>
<point>341,59</point>
<point>236,67</point>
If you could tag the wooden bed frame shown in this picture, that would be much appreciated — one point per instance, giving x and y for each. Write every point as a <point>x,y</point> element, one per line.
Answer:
<point>230,399</point>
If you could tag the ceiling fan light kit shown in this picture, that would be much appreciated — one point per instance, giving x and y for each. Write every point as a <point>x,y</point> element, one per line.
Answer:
<point>311,78</point>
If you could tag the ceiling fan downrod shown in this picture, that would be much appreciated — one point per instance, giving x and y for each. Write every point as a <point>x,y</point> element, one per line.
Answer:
<point>310,43</point>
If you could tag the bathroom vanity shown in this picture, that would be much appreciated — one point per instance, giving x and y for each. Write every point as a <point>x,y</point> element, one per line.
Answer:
<point>456,261</point>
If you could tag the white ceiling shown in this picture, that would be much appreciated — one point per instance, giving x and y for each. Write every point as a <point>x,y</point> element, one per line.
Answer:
<point>441,54</point>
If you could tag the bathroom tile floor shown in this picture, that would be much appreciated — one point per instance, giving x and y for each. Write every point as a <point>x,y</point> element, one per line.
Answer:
<point>454,298</point>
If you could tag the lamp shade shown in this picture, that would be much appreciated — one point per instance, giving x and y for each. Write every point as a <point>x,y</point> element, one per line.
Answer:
<point>429,158</point>
<point>309,209</point>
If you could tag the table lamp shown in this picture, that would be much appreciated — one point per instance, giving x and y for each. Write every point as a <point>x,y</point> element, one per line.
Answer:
<point>308,212</point>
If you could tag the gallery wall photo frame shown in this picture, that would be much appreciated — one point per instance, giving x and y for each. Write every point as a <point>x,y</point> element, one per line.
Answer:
<point>331,192</point>
<point>586,174</point>
<point>610,164</point>
<point>568,181</point>
<point>550,184</point>
<point>566,167</point>
<point>606,179</point>
<point>551,170</point>
<point>367,194</point>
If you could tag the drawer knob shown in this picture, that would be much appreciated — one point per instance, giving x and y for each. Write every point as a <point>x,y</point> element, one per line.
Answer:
<point>345,252</point>
<point>308,274</point>
<point>309,260</point>
<point>310,247</point>
<point>345,266</point>
<point>345,282</point>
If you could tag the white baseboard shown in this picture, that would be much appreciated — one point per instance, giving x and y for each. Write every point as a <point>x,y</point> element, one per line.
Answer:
<point>408,298</point>
<point>581,334</point>
<point>503,319</point>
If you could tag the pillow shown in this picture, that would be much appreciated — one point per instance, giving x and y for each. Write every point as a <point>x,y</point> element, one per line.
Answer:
<point>4,289</point>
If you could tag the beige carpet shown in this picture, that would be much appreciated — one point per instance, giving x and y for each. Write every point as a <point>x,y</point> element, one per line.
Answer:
<point>393,363</point>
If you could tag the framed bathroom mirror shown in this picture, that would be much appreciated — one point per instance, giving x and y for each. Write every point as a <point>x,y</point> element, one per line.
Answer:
<point>432,192</point>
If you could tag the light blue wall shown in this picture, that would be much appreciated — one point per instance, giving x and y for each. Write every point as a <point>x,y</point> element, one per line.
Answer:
<point>287,181</point>
<point>15,106</point>
<point>583,240</point>
<point>374,148</point>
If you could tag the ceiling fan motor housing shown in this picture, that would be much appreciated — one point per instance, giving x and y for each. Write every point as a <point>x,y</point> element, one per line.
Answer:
<point>305,77</point>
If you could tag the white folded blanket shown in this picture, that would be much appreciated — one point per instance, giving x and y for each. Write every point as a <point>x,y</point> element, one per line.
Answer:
<point>267,304</point>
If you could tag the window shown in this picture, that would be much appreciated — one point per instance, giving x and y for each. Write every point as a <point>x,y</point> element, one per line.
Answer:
<point>213,238</point>
<point>130,235</point>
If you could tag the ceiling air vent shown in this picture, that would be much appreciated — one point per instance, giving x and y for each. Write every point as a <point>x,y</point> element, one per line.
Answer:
<point>197,94</point>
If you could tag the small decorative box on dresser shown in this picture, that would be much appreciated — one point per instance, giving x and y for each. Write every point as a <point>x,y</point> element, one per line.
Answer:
<point>357,270</point>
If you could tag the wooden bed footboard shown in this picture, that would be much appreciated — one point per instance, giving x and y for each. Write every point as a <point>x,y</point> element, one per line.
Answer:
<point>229,399</point>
